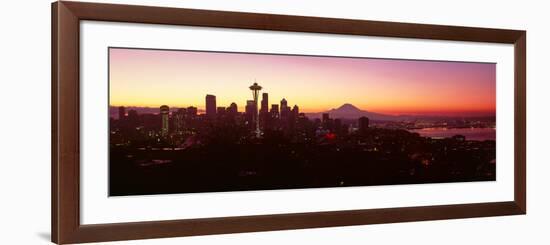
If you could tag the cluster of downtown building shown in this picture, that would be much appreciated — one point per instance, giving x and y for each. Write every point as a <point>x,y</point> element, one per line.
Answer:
<point>275,146</point>
<point>174,127</point>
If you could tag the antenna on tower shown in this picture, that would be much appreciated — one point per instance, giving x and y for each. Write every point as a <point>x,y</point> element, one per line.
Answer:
<point>255,89</point>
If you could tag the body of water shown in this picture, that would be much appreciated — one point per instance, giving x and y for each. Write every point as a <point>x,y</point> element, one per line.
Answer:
<point>470,133</point>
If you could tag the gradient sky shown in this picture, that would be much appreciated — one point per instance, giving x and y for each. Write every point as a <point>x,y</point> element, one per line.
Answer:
<point>151,78</point>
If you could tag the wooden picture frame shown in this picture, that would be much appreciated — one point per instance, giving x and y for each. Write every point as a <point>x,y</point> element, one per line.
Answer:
<point>66,225</point>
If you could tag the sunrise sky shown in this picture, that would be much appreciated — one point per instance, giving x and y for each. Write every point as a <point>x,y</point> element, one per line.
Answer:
<point>151,78</point>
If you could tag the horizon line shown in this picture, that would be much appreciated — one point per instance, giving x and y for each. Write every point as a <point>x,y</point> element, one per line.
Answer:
<point>461,113</point>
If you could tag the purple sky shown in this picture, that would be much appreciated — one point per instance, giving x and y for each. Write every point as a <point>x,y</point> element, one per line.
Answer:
<point>140,77</point>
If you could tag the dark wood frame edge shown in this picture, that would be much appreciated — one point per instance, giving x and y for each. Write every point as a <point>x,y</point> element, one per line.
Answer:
<point>66,227</point>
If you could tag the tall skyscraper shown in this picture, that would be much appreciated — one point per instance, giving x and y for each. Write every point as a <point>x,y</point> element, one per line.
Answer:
<point>249,112</point>
<point>337,126</point>
<point>285,110</point>
<point>232,112</point>
<point>295,111</point>
<point>274,111</point>
<point>255,88</point>
<point>326,121</point>
<point>179,119</point>
<point>210,106</point>
<point>265,103</point>
<point>132,118</point>
<point>284,104</point>
<point>325,118</point>
<point>292,119</point>
<point>363,124</point>
<point>285,117</point>
<point>274,116</point>
<point>220,111</point>
<point>164,114</point>
<point>121,112</point>
<point>233,109</point>
<point>264,112</point>
<point>192,111</point>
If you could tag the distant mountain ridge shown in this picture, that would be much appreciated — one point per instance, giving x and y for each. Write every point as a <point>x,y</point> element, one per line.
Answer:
<point>349,111</point>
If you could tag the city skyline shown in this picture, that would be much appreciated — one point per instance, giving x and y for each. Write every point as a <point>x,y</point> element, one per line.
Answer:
<point>274,143</point>
<point>442,88</point>
<point>278,147</point>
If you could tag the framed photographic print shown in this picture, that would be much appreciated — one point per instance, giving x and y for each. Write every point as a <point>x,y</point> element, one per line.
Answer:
<point>177,122</point>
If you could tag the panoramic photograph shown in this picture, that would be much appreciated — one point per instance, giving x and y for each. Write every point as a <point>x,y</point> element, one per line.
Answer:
<point>184,121</point>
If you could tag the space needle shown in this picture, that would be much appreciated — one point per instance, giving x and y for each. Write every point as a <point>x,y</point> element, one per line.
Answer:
<point>255,90</point>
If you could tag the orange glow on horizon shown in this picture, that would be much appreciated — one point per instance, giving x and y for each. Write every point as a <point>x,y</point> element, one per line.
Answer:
<point>150,78</point>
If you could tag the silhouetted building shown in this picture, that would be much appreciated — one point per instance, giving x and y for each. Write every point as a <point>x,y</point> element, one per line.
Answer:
<point>220,111</point>
<point>363,124</point>
<point>274,111</point>
<point>459,137</point>
<point>284,104</point>
<point>325,118</point>
<point>285,112</point>
<point>292,118</point>
<point>179,119</point>
<point>265,103</point>
<point>303,128</point>
<point>302,119</point>
<point>327,122</point>
<point>121,112</point>
<point>233,109</point>
<point>192,111</point>
<point>152,122</point>
<point>338,126</point>
<point>264,112</point>
<point>165,113</point>
<point>249,112</point>
<point>232,113</point>
<point>191,122</point>
<point>210,106</point>
<point>295,111</point>
<point>132,118</point>
<point>317,122</point>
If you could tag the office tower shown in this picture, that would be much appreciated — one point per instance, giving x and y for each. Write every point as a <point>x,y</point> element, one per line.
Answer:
<point>285,111</point>
<point>292,118</point>
<point>179,119</point>
<point>325,119</point>
<point>132,118</point>
<point>295,111</point>
<point>284,104</point>
<point>265,103</point>
<point>232,109</point>
<point>255,88</point>
<point>220,111</point>
<point>210,106</point>
<point>232,113</point>
<point>274,111</point>
<point>151,122</point>
<point>249,112</point>
<point>164,114</point>
<point>302,125</point>
<point>337,126</point>
<point>264,112</point>
<point>192,111</point>
<point>274,116</point>
<point>121,113</point>
<point>363,124</point>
